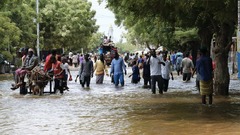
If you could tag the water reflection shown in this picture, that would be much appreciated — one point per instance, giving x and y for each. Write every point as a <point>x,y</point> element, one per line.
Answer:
<point>105,109</point>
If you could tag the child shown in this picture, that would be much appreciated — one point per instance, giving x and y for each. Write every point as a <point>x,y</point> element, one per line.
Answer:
<point>135,73</point>
<point>178,64</point>
<point>166,71</point>
<point>146,73</point>
<point>65,66</point>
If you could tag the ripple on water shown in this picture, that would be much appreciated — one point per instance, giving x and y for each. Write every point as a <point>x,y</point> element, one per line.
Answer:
<point>105,109</point>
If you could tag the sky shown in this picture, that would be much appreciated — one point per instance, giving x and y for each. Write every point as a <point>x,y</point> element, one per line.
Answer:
<point>105,19</point>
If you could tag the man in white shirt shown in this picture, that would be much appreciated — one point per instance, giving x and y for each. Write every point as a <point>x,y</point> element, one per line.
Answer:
<point>75,60</point>
<point>166,71</point>
<point>187,67</point>
<point>155,69</point>
<point>64,65</point>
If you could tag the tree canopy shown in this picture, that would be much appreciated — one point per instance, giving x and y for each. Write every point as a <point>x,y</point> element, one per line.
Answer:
<point>68,24</point>
<point>208,17</point>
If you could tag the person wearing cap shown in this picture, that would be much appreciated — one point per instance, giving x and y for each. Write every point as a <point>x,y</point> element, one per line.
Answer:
<point>29,63</point>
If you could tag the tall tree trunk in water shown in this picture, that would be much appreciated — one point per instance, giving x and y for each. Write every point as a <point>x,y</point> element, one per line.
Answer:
<point>221,49</point>
<point>206,36</point>
<point>194,47</point>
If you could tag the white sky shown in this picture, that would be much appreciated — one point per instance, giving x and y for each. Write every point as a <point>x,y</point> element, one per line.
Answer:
<point>105,18</point>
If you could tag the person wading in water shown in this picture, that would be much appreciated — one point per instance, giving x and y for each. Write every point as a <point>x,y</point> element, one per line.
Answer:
<point>100,69</point>
<point>205,69</point>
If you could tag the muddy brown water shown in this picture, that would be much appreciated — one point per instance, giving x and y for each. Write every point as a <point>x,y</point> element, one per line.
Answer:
<point>128,110</point>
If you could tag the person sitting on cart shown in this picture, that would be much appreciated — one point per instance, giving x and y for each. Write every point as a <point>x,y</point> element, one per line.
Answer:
<point>29,63</point>
<point>105,40</point>
<point>109,40</point>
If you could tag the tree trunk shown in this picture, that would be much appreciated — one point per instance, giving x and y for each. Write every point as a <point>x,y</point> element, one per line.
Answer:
<point>221,73</point>
<point>233,60</point>
<point>206,38</point>
<point>193,47</point>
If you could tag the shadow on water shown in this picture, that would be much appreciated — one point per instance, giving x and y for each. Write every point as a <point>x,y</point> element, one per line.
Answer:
<point>183,114</point>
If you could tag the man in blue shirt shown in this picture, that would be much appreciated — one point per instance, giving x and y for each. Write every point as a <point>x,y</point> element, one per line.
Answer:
<point>173,60</point>
<point>205,69</point>
<point>117,68</point>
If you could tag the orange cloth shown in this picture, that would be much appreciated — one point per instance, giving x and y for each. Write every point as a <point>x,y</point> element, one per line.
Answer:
<point>57,70</point>
<point>48,63</point>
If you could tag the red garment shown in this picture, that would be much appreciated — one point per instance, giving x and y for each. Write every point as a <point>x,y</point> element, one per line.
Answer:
<point>57,70</point>
<point>58,57</point>
<point>47,64</point>
<point>213,65</point>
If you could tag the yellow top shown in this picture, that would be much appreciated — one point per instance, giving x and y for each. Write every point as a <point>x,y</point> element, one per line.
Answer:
<point>99,68</point>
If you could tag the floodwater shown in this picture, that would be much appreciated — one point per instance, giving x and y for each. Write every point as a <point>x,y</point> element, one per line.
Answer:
<point>128,110</point>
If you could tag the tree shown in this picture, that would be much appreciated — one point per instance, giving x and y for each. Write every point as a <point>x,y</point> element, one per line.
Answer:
<point>69,24</point>
<point>9,35</point>
<point>188,40</point>
<point>126,47</point>
<point>208,16</point>
<point>22,13</point>
<point>17,24</point>
<point>95,41</point>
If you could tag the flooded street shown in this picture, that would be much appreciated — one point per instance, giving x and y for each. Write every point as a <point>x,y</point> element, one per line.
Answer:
<point>128,110</point>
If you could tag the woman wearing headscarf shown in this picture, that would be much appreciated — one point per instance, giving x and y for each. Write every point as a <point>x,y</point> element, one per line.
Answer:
<point>100,69</point>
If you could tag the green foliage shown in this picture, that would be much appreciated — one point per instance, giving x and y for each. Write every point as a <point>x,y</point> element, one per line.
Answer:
<point>209,17</point>
<point>7,55</point>
<point>9,35</point>
<point>22,14</point>
<point>69,24</point>
<point>205,15</point>
<point>65,24</point>
<point>184,36</point>
<point>126,47</point>
<point>95,41</point>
